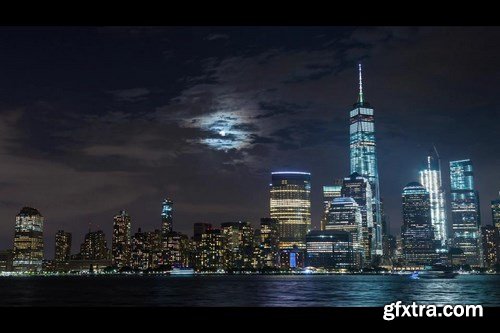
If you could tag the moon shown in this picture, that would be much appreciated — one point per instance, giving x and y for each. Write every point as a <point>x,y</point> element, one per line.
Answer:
<point>222,133</point>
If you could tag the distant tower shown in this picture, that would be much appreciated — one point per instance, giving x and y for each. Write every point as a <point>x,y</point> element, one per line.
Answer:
<point>360,190</point>
<point>239,247</point>
<point>121,246</point>
<point>146,249</point>
<point>212,250</point>
<point>430,178</point>
<point>495,211</point>
<point>167,217</point>
<point>490,236</point>
<point>269,240</point>
<point>363,157</point>
<point>417,233</point>
<point>28,241</point>
<point>330,192</point>
<point>466,219</point>
<point>345,215</point>
<point>94,246</point>
<point>63,248</point>
<point>290,204</point>
<point>199,229</point>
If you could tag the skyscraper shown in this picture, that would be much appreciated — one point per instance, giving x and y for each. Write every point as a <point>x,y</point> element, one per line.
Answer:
<point>28,241</point>
<point>417,233</point>
<point>94,254</point>
<point>139,253</point>
<point>212,251</point>
<point>178,247</point>
<point>360,190</point>
<point>121,245</point>
<point>363,157</point>
<point>199,229</point>
<point>166,227</point>
<point>238,245</point>
<point>146,249</point>
<point>345,215</point>
<point>290,204</point>
<point>430,178</point>
<point>269,241</point>
<point>63,249</point>
<point>465,213</point>
<point>495,212</point>
<point>94,246</point>
<point>330,192</point>
<point>167,216</point>
<point>330,249</point>
<point>491,245</point>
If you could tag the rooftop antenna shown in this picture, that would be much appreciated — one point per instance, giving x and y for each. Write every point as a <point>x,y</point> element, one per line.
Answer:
<point>360,84</point>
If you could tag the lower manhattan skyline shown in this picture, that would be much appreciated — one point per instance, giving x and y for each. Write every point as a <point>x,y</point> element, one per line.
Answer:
<point>98,120</point>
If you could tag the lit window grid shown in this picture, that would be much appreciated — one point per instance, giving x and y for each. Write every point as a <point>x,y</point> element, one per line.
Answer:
<point>364,161</point>
<point>465,211</point>
<point>347,218</point>
<point>290,204</point>
<point>461,175</point>
<point>28,243</point>
<point>431,180</point>
<point>29,223</point>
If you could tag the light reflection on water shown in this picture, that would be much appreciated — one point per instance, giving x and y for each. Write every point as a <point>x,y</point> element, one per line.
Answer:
<point>248,290</point>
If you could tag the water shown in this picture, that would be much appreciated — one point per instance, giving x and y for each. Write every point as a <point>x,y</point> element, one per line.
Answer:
<point>246,290</point>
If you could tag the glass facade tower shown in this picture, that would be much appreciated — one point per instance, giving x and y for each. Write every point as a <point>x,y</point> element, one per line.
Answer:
<point>430,178</point>
<point>363,157</point>
<point>269,241</point>
<point>330,192</point>
<point>94,246</point>
<point>122,241</point>
<point>495,212</point>
<point>63,247</point>
<point>417,232</point>
<point>345,215</point>
<point>466,222</point>
<point>28,241</point>
<point>359,189</point>
<point>290,204</point>
<point>166,217</point>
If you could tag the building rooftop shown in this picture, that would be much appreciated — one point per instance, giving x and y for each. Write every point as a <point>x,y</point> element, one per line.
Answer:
<point>29,211</point>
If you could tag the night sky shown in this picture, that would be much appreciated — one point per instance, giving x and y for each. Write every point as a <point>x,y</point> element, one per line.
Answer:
<point>94,120</point>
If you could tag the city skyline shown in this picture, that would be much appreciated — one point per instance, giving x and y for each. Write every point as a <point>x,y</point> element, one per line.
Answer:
<point>234,169</point>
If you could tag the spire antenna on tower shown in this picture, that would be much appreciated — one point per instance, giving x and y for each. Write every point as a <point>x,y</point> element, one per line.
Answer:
<point>360,84</point>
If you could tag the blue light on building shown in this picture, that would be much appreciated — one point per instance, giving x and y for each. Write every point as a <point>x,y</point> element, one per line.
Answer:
<point>167,216</point>
<point>466,220</point>
<point>363,157</point>
<point>430,178</point>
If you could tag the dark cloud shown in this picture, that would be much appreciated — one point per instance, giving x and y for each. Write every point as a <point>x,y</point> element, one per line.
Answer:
<point>273,109</point>
<point>245,127</point>
<point>217,36</point>
<point>130,95</point>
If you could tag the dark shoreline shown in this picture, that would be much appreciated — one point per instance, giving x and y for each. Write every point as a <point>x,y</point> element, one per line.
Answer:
<point>214,274</point>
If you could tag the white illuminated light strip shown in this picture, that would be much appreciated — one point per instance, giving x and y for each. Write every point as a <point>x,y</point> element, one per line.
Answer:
<point>290,173</point>
<point>430,180</point>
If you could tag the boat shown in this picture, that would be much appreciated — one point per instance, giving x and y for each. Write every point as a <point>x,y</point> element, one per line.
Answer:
<point>182,271</point>
<point>437,272</point>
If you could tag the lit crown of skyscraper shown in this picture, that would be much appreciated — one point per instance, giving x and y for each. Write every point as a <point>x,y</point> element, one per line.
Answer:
<point>29,211</point>
<point>432,160</point>
<point>414,187</point>
<point>344,201</point>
